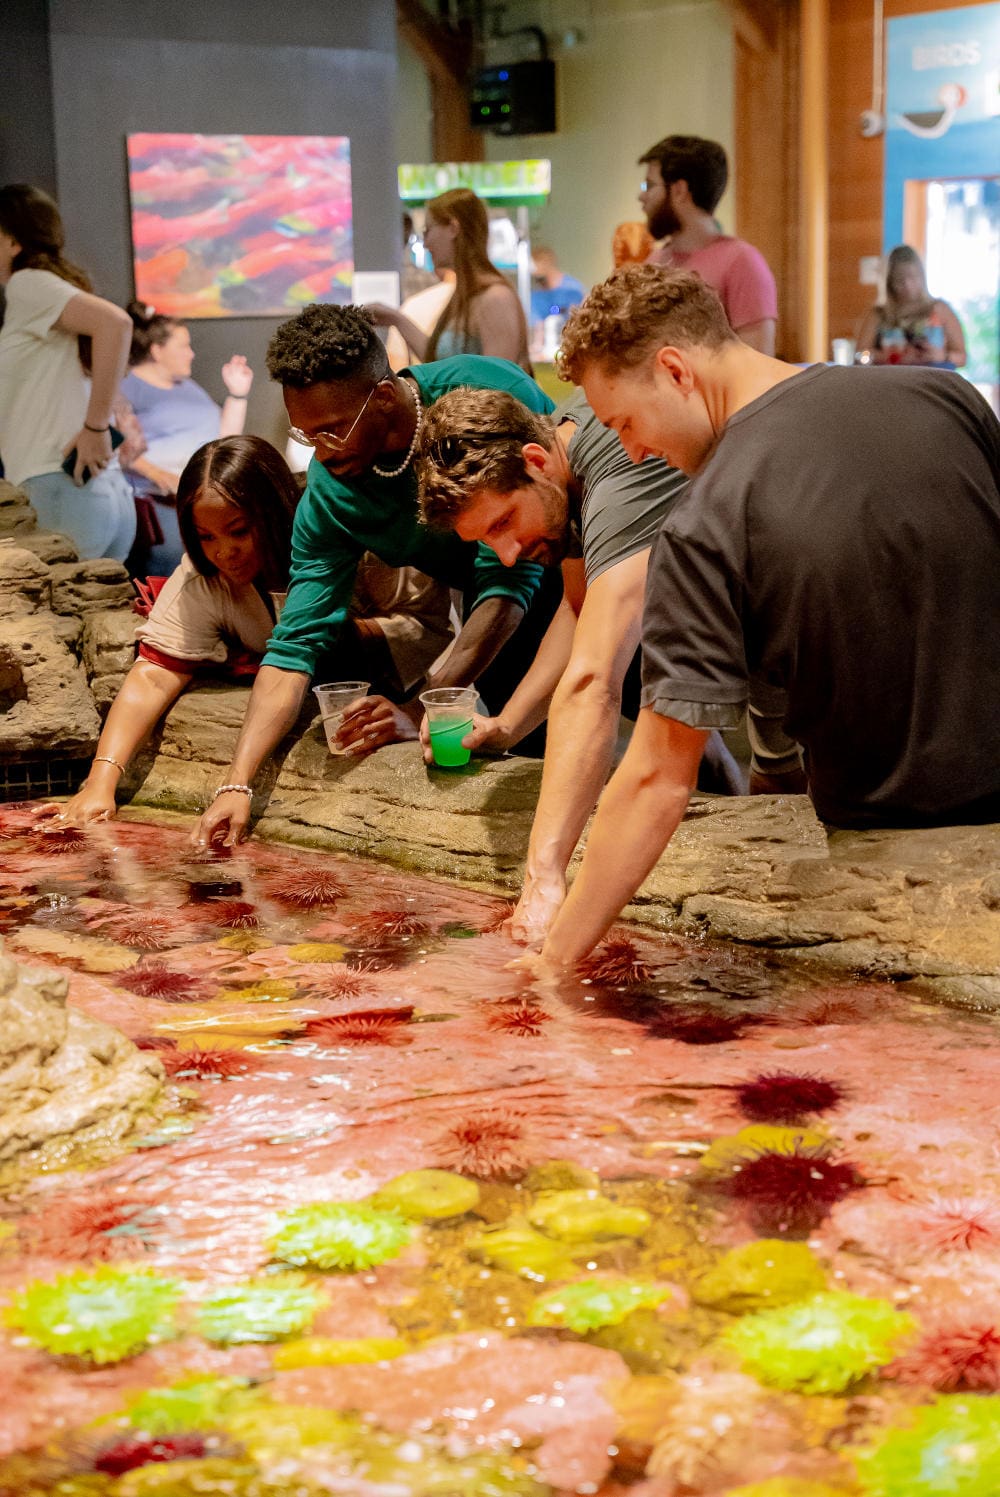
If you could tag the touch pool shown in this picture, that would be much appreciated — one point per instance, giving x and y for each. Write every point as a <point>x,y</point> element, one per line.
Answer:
<point>696,1224</point>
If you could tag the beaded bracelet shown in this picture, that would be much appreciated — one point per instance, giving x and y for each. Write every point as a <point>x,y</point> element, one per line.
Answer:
<point>107,759</point>
<point>246,790</point>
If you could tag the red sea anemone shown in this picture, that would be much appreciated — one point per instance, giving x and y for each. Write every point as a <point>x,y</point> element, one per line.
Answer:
<point>495,923</point>
<point>853,1003</point>
<point>372,1026</point>
<point>789,1194</point>
<point>522,1018</point>
<point>142,1450</point>
<point>79,1227</point>
<point>338,985</point>
<point>490,1145</point>
<point>207,1063</point>
<point>158,981</point>
<point>950,1225</point>
<point>616,963</point>
<point>780,1097</point>
<point>954,1354</point>
<point>305,888</point>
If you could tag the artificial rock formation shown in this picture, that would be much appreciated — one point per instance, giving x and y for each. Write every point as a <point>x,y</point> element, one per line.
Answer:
<point>66,1081</point>
<point>762,870</point>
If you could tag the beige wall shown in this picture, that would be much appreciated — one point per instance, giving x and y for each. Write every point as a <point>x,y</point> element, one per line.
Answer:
<point>413,108</point>
<point>644,69</point>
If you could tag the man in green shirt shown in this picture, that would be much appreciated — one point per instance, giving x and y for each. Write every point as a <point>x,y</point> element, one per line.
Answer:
<point>361,495</point>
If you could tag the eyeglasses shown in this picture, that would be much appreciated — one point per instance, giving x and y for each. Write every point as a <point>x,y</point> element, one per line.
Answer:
<point>446,452</point>
<point>330,438</point>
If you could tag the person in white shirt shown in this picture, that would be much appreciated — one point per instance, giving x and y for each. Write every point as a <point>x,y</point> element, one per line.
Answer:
<point>62,355</point>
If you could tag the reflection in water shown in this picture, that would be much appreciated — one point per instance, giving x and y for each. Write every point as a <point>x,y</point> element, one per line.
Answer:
<point>698,1224</point>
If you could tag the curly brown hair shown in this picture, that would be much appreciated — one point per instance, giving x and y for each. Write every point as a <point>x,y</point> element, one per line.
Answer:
<point>471,440</point>
<point>637,310</point>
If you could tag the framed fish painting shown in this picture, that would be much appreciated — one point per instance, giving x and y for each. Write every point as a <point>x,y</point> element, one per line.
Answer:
<point>240,225</point>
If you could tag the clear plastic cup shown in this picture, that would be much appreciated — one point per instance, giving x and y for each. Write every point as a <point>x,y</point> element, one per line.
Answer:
<point>334,698</point>
<point>449,719</point>
<point>843,350</point>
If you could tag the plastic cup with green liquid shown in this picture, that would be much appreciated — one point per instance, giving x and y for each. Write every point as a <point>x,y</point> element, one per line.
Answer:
<point>449,719</point>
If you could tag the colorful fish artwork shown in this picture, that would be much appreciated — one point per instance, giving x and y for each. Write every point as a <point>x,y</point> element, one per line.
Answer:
<point>240,225</point>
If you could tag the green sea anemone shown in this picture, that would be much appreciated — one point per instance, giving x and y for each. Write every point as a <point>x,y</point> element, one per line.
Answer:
<point>273,1430</point>
<point>591,1303</point>
<point>427,1195</point>
<point>265,1310</point>
<point>951,1448</point>
<point>819,1345</point>
<point>586,1216</point>
<point>728,1152</point>
<point>518,1248</point>
<point>105,1313</point>
<point>560,1174</point>
<point>760,1275</point>
<point>786,1486</point>
<point>327,1351</point>
<point>193,1403</point>
<point>335,1234</point>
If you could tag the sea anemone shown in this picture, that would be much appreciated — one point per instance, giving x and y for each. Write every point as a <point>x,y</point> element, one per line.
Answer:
<point>760,1275</point>
<point>328,1351</point>
<point>316,951</point>
<point>104,1314</point>
<point>819,1345</point>
<point>87,1226</point>
<point>781,1097</point>
<point>310,888</point>
<point>208,1063</point>
<point>950,1448</point>
<point>427,1195</point>
<point>157,1042</point>
<point>957,1224</point>
<point>955,1353</point>
<point>521,1018</point>
<point>616,963</point>
<point>493,924</point>
<point>489,1145</point>
<point>158,981</point>
<point>338,985</point>
<point>853,1003</point>
<point>194,1403</point>
<point>333,1234</point>
<point>586,1216</point>
<point>263,1310</point>
<point>371,929</point>
<point>371,1026</point>
<point>143,1450</point>
<point>590,1304</point>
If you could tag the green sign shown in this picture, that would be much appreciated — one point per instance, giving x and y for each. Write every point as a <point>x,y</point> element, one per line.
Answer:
<point>496,181</point>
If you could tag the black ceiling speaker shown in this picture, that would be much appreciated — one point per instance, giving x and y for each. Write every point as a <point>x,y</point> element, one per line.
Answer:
<point>516,98</point>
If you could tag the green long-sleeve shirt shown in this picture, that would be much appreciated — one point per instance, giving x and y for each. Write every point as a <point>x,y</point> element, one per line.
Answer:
<point>337,520</point>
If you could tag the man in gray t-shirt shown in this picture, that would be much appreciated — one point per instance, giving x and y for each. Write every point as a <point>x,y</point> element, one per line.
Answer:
<point>559,491</point>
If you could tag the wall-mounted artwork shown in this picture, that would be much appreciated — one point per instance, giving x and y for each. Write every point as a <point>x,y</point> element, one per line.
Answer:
<point>240,225</point>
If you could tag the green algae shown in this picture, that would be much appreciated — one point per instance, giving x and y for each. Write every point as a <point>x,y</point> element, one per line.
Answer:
<point>264,1310</point>
<point>819,1345</point>
<point>733,1149</point>
<point>951,1448</point>
<point>519,1249</point>
<point>590,1304</point>
<point>759,1275</point>
<point>337,1234</point>
<point>432,1195</point>
<point>328,1351</point>
<point>586,1216</point>
<point>104,1314</point>
<point>193,1403</point>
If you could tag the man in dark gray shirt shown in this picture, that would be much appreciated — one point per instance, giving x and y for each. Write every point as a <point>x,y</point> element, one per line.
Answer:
<point>840,541</point>
<point>562,492</point>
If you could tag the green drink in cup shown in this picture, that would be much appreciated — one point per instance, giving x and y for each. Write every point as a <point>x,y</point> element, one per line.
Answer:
<point>449,719</point>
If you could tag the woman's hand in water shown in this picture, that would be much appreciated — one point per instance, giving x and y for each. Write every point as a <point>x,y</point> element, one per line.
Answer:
<point>226,820</point>
<point>372,722</point>
<point>92,802</point>
<point>237,376</point>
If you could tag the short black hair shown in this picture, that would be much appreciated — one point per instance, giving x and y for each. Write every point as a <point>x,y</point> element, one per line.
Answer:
<point>700,163</point>
<point>326,343</point>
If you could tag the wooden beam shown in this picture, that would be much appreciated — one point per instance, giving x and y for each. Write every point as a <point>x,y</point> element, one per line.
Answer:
<point>446,57</point>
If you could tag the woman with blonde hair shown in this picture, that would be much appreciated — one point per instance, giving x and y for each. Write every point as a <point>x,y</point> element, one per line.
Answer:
<point>909,326</point>
<point>484,314</point>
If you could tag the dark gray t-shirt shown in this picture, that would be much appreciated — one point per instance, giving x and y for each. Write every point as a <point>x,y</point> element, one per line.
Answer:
<point>623,504</point>
<point>843,545</point>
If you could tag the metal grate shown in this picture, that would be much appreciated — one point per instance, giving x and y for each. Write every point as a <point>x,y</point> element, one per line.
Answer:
<point>33,779</point>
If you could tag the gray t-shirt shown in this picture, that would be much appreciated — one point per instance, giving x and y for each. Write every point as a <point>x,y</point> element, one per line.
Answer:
<point>623,504</point>
<point>843,544</point>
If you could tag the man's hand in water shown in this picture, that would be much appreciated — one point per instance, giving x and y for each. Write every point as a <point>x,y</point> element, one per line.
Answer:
<point>225,821</point>
<point>541,900</point>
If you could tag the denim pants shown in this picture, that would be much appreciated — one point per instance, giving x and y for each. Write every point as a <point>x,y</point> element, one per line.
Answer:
<point>98,518</point>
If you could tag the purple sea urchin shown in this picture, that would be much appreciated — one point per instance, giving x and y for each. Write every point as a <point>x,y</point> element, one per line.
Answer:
<point>781,1097</point>
<point>792,1193</point>
<point>134,1451</point>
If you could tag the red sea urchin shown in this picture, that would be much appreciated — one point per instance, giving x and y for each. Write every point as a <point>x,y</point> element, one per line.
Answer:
<point>493,924</point>
<point>693,1025</point>
<point>305,888</point>
<point>231,914</point>
<point>158,981</point>
<point>370,1026</point>
<point>954,1354</point>
<point>57,841</point>
<point>490,1146</point>
<point>134,1451</point>
<point>781,1097</point>
<point>207,1063</point>
<point>522,1018</point>
<point>616,963</point>
<point>143,929</point>
<point>371,928</point>
<point>789,1194</point>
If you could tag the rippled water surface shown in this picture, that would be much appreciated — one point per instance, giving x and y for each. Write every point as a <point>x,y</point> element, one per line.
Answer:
<point>698,1224</point>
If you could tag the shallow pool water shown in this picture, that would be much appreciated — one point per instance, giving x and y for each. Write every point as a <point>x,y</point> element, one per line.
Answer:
<point>699,1223</point>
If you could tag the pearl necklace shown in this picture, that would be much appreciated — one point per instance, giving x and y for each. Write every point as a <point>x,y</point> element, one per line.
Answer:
<point>395,472</point>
